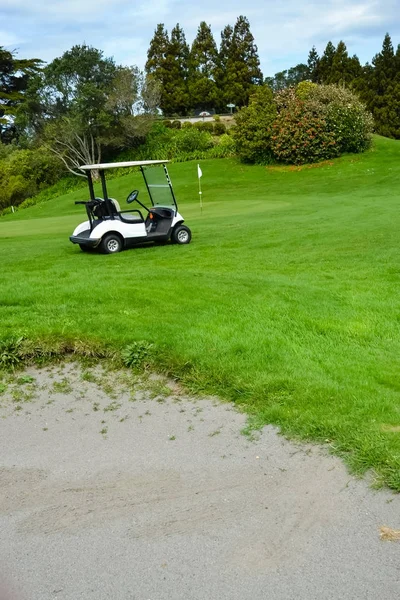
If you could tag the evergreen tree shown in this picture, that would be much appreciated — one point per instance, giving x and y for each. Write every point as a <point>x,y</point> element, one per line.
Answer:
<point>326,63</point>
<point>155,67</point>
<point>340,65</point>
<point>222,62</point>
<point>243,65</point>
<point>313,65</point>
<point>175,96</point>
<point>385,83</point>
<point>202,69</point>
<point>385,66</point>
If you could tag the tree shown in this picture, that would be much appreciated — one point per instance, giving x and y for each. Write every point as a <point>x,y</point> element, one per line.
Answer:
<point>252,134</point>
<point>86,102</point>
<point>222,63</point>
<point>379,88</point>
<point>313,65</point>
<point>299,73</point>
<point>385,67</point>
<point>289,78</point>
<point>15,75</point>
<point>325,63</point>
<point>202,69</point>
<point>242,66</point>
<point>155,67</point>
<point>343,69</point>
<point>155,64</point>
<point>175,96</point>
<point>278,82</point>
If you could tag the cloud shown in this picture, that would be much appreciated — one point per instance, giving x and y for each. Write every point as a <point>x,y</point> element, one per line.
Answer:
<point>284,31</point>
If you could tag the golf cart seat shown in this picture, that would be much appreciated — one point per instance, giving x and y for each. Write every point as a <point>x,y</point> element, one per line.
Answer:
<point>116,204</point>
<point>124,216</point>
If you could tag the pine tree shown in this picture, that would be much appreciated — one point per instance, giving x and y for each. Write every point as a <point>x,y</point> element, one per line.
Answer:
<point>243,65</point>
<point>155,67</point>
<point>340,65</point>
<point>222,62</point>
<point>202,69</point>
<point>385,105</point>
<point>325,63</point>
<point>155,64</point>
<point>385,66</point>
<point>313,65</point>
<point>175,96</point>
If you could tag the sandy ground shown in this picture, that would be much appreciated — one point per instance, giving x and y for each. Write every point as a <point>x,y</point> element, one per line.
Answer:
<point>114,489</point>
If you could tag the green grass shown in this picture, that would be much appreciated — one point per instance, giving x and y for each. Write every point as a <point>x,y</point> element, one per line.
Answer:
<point>287,301</point>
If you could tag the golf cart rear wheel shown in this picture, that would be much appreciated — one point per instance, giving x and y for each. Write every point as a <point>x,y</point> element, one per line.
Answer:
<point>111,244</point>
<point>181,235</point>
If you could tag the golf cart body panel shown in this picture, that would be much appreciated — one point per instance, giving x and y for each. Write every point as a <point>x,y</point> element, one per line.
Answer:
<point>108,224</point>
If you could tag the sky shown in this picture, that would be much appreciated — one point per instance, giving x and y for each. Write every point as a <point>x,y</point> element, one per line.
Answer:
<point>284,31</point>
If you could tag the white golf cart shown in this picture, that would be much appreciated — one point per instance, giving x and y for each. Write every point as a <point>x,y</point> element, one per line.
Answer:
<point>111,229</point>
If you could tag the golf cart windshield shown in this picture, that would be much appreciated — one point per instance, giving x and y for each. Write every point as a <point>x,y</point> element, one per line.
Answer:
<point>159,186</point>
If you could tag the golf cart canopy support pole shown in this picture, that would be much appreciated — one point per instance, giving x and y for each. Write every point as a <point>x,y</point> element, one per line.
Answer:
<point>170,187</point>
<point>147,186</point>
<point>105,195</point>
<point>90,184</point>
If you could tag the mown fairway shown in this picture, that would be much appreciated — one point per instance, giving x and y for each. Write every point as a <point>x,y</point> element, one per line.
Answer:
<point>287,301</point>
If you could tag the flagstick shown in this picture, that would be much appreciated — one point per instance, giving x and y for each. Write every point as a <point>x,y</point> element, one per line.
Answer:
<point>201,196</point>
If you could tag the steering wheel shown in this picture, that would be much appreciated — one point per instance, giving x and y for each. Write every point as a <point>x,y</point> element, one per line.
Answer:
<point>132,196</point>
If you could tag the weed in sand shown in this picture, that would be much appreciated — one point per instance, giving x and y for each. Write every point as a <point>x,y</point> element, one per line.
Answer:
<point>62,387</point>
<point>88,376</point>
<point>213,433</point>
<point>112,406</point>
<point>25,379</point>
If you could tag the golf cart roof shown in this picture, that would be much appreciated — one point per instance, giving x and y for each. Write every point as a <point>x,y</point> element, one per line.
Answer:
<point>118,165</point>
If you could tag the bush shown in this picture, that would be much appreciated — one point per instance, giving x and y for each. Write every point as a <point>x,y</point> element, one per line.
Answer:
<point>304,89</point>
<point>24,173</point>
<point>318,122</point>
<point>167,123</point>
<point>219,128</point>
<point>346,117</point>
<point>252,134</point>
<point>300,135</point>
<point>191,140</point>
<point>205,126</point>
<point>224,148</point>
<point>176,124</point>
<point>187,125</point>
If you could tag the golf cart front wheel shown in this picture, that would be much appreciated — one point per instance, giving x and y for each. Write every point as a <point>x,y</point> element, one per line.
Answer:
<point>181,235</point>
<point>111,244</point>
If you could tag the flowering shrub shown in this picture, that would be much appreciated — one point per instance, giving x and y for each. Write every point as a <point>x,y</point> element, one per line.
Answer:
<point>300,125</point>
<point>300,135</point>
<point>345,116</point>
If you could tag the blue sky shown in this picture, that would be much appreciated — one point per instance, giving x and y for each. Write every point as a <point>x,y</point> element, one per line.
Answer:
<point>283,31</point>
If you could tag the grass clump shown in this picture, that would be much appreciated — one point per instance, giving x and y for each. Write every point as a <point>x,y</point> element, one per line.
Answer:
<point>138,354</point>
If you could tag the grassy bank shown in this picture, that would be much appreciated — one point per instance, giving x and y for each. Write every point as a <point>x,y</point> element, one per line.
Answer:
<point>286,301</point>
